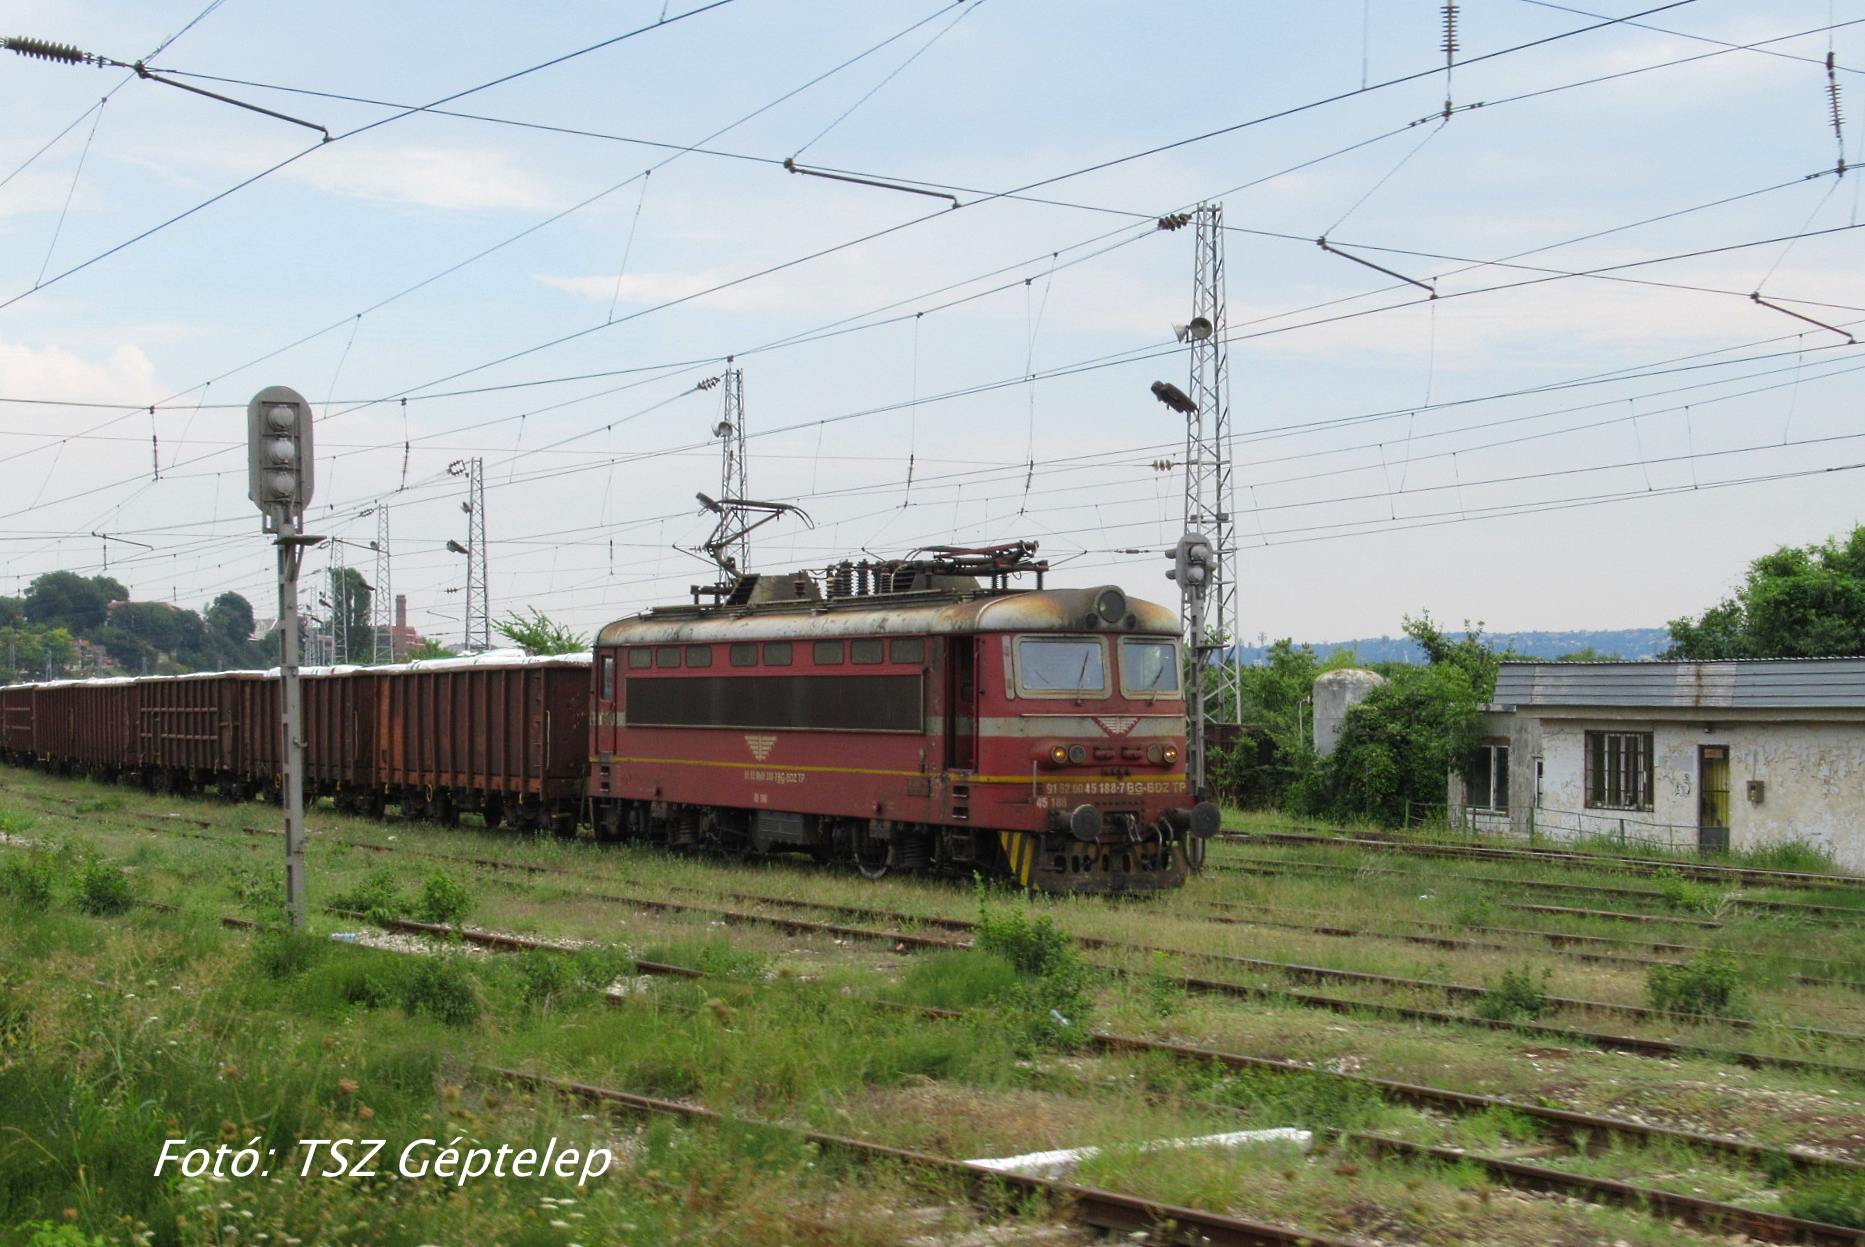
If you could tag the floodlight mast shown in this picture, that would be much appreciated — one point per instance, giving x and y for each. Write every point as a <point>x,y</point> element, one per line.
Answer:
<point>279,481</point>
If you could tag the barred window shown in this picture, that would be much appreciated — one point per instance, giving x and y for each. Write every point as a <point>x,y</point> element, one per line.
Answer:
<point>1619,770</point>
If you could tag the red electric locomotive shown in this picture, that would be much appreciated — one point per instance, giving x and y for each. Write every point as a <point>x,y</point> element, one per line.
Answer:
<point>902,715</point>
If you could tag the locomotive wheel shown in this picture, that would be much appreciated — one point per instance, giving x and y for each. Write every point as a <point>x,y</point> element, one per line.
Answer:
<point>874,859</point>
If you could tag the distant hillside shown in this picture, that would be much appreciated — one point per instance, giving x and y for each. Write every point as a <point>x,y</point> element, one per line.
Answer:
<point>1623,643</point>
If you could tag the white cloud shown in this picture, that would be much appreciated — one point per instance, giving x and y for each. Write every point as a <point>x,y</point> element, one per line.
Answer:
<point>648,288</point>
<point>433,177</point>
<point>54,372</point>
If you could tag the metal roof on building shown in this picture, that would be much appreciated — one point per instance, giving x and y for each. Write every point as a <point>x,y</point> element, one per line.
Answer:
<point>1756,683</point>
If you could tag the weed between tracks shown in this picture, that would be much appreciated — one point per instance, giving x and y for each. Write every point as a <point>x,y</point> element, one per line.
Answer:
<point>103,1057</point>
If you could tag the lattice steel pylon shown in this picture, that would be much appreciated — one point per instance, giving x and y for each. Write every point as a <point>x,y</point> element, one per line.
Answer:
<point>382,599</point>
<point>1210,498</point>
<point>730,430</point>
<point>339,608</point>
<point>478,598</point>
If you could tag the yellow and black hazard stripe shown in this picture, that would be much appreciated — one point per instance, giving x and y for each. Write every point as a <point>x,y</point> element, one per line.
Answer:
<point>1020,847</point>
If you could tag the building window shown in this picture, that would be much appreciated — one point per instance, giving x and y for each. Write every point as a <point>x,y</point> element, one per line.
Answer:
<point>745,654</point>
<point>1486,784</point>
<point>1619,770</point>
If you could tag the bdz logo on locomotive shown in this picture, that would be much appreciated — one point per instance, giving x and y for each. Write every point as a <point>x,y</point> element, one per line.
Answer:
<point>761,746</point>
<point>1117,724</point>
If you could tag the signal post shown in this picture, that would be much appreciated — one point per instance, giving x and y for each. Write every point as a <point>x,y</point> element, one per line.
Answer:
<point>279,481</point>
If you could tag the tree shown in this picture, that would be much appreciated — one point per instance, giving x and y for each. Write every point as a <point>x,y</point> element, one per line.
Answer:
<point>1798,602</point>
<point>68,600</point>
<point>538,635</point>
<point>1588,654</point>
<point>426,649</point>
<point>1397,746</point>
<point>231,616</point>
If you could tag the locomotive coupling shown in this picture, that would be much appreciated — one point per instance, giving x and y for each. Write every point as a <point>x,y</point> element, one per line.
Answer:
<point>1202,820</point>
<point>1084,822</point>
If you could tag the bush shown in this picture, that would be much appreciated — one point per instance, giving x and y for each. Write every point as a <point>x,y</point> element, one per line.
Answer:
<point>956,980</point>
<point>1681,894</point>
<point>1051,995</point>
<point>379,896</point>
<point>441,988</point>
<point>444,900</point>
<point>1710,985</point>
<point>262,891</point>
<point>287,954</point>
<point>555,980</point>
<point>1516,996</point>
<point>1836,1199</point>
<point>30,878</point>
<point>1793,855</point>
<point>103,889</point>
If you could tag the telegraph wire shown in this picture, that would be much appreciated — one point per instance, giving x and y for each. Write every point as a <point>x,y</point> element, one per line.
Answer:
<point>297,156</point>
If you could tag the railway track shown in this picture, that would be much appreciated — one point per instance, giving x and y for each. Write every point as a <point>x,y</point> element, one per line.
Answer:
<point>1635,1045</point>
<point>1701,872</point>
<point>1702,1214</point>
<point>1831,914</point>
<point>1102,1210</point>
<point>1576,946</point>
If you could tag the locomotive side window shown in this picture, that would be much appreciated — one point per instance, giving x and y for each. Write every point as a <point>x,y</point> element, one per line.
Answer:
<point>640,656</point>
<point>608,677</point>
<point>699,655</point>
<point>828,653</point>
<point>1148,666</point>
<point>745,654</point>
<point>908,649</point>
<point>867,651</point>
<point>1055,666</point>
<point>666,655</point>
<point>777,653</point>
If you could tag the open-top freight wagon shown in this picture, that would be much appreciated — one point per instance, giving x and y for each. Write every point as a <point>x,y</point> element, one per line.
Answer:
<point>896,716</point>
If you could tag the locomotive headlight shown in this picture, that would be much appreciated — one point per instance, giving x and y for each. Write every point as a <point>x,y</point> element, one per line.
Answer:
<point>1058,755</point>
<point>1156,754</point>
<point>1171,753</point>
<point>1077,754</point>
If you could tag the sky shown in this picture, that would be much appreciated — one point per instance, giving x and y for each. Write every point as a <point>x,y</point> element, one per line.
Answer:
<point>1603,362</point>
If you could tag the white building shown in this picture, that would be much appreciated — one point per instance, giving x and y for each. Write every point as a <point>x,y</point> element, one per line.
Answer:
<point>1684,754</point>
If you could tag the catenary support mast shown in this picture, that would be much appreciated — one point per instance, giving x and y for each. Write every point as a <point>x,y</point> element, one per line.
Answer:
<point>1209,493</point>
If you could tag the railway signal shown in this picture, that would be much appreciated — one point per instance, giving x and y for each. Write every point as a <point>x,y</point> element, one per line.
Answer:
<point>280,479</point>
<point>1194,567</point>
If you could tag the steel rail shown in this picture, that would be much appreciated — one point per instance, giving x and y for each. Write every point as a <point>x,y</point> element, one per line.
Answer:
<point>1702,872</point>
<point>1836,914</point>
<point>1106,1210</point>
<point>1698,1213</point>
<point>1709,1215</point>
<point>1293,970</point>
<point>1300,972</point>
<point>1560,939</point>
<point>1577,1129</point>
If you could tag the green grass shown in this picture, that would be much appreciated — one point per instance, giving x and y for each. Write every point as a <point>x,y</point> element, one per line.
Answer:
<point>281,1036</point>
